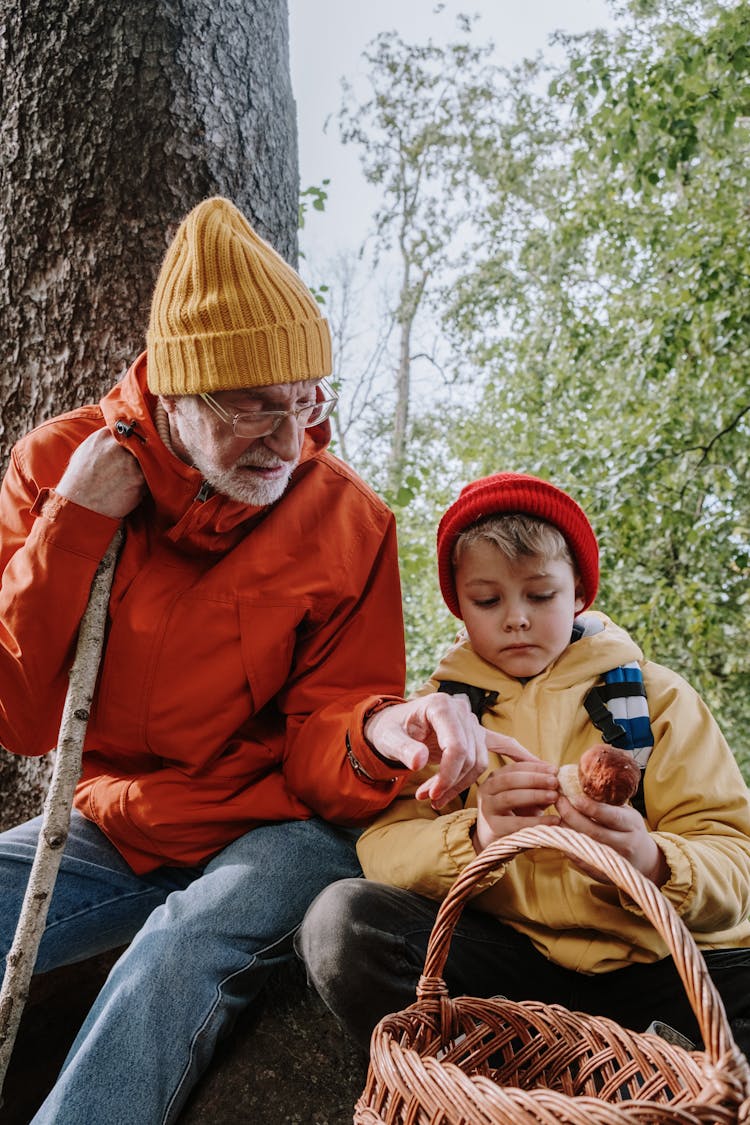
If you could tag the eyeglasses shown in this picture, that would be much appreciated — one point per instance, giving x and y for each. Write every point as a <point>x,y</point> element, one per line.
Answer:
<point>260,423</point>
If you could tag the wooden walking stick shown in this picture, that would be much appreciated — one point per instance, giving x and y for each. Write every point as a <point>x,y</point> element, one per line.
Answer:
<point>57,807</point>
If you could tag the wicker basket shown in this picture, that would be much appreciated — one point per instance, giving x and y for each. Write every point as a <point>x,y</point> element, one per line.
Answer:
<point>470,1061</point>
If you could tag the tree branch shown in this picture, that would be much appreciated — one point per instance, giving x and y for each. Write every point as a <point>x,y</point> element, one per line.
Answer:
<point>56,819</point>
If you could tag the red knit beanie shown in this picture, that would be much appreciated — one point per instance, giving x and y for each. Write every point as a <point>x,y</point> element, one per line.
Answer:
<point>506,493</point>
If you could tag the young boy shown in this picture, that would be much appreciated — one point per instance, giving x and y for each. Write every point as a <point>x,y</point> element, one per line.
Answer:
<point>518,563</point>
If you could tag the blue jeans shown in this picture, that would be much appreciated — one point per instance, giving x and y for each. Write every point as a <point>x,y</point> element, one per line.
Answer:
<point>364,946</point>
<point>202,943</point>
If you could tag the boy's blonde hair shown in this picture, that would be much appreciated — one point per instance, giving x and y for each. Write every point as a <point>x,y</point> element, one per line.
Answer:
<point>516,536</point>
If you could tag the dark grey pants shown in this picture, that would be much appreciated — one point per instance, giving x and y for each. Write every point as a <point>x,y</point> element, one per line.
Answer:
<point>364,946</point>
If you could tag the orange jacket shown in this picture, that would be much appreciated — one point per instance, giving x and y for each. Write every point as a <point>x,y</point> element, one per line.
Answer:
<point>242,642</point>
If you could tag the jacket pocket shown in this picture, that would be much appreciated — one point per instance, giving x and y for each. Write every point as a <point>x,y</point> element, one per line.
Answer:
<point>268,636</point>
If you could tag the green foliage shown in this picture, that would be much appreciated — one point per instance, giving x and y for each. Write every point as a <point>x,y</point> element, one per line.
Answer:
<point>600,324</point>
<point>425,102</point>
<point>608,307</point>
<point>314,196</point>
<point>422,112</point>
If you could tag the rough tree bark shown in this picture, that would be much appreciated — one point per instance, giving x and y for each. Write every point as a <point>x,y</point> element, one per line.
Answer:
<point>115,119</point>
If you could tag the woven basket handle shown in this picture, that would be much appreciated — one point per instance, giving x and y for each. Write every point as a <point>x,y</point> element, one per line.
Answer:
<point>705,1001</point>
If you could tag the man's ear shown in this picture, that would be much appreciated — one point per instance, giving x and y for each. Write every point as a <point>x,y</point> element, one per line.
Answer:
<point>580,596</point>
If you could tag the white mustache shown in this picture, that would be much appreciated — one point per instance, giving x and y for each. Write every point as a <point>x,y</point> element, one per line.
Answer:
<point>255,463</point>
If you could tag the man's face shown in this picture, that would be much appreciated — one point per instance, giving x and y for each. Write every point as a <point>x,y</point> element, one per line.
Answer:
<point>519,615</point>
<point>253,471</point>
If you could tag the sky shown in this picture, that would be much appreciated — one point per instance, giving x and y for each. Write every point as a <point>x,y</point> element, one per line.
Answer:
<point>327,38</point>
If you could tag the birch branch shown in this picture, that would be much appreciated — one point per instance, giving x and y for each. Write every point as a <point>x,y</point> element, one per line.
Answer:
<point>19,967</point>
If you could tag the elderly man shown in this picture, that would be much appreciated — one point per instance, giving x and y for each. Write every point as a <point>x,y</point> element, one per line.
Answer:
<point>254,629</point>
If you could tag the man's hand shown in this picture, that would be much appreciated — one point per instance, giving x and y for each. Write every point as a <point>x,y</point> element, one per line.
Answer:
<point>102,476</point>
<point>437,728</point>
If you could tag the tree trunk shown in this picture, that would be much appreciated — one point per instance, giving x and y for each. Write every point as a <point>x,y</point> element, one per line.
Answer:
<point>410,300</point>
<point>401,410</point>
<point>116,119</point>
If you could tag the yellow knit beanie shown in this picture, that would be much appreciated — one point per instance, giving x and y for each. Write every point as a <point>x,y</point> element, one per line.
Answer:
<point>229,312</point>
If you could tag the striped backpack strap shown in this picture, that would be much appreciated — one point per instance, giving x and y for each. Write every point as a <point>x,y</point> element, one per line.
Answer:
<point>618,708</point>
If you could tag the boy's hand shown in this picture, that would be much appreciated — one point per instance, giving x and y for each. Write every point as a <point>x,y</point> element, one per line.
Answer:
<point>514,796</point>
<point>437,728</point>
<point>621,827</point>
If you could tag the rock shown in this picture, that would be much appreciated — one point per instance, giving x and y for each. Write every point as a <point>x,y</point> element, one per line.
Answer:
<point>287,1061</point>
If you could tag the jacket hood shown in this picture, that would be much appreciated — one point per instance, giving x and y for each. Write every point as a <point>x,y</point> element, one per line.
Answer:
<point>192,521</point>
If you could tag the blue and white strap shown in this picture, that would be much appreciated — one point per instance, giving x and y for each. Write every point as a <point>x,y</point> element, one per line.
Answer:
<point>625,698</point>
<point>618,708</point>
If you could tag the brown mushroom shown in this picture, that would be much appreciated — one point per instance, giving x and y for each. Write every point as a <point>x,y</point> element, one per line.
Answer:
<point>604,773</point>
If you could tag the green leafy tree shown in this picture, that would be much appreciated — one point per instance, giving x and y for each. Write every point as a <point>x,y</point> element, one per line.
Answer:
<point>600,318</point>
<point>425,107</point>
<point>607,306</point>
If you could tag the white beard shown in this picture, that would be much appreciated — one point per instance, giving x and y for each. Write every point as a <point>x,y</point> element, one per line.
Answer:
<point>234,482</point>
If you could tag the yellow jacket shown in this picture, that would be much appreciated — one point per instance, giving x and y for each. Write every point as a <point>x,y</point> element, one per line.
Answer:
<point>696,801</point>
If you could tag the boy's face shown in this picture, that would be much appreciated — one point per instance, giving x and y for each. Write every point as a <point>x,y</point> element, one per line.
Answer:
<point>519,615</point>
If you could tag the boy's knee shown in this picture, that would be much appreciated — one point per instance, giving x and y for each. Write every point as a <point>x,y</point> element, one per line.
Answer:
<point>329,931</point>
